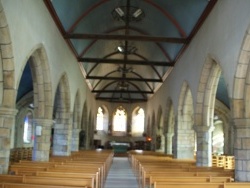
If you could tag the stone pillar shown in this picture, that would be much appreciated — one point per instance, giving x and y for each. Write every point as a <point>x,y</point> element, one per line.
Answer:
<point>204,145</point>
<point>63,134</point>
<point>62,139</point>
<point>75,140</point>
<point>185,144</point>
<point>242,150</point>
<point>7,127</point>
<point>87,137</point>
<point>169,143</point>
<point>42,142</point>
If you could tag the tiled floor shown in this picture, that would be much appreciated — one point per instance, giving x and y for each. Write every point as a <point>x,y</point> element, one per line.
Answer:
<point>121,174</point>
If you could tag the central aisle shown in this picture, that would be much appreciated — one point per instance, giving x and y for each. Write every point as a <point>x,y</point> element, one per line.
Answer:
<point>121,175</point>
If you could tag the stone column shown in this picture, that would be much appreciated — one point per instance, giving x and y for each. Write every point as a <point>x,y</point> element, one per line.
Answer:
<point>204,145</point>
<point>7,127</point>
<point>62,139</point>
<point>75,140</point>
<point>169,142</point>
<point>63,135</point>
<point>242,150</point>
<point>185,144</point>
<point>42,140</point>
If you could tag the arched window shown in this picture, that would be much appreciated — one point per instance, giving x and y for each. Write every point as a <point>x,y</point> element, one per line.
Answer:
<point>138,122</point>
<point>99,119</point>
<point>27,128</point>
<point>120,120</point>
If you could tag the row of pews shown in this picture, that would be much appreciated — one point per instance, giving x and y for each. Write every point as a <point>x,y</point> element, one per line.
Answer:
<point>162,171</point>
<point>85,169</point>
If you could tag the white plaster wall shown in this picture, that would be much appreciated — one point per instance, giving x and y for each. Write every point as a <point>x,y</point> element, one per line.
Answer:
<point>220,37</point>
<point>29,31</point>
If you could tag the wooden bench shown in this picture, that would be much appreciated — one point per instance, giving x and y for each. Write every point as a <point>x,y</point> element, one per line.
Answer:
<point>161,179</point>
<point>152,179</point>
<point>31,168</point>
<point>201,185</point>
<point>187,185</point>
<point>88,182</point>
<point>25,185</point>
<point>144,179</point>
<point>81,169</point>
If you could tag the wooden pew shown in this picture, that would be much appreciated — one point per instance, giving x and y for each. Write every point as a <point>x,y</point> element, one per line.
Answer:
<point>25,185</point>
<point>237,185</point>
<point>144,179</point>
<point>88,182</point>
<point>202,185</point>
<point>160,179</point>
<point>31,168</point>
<point>188,185</point>
<point>94,176</point>
<point>80,167</point>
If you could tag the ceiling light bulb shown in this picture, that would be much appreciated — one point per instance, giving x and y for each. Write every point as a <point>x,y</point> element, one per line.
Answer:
<point>120,49</point>
<point>137,13</point>
<point>119,11</point>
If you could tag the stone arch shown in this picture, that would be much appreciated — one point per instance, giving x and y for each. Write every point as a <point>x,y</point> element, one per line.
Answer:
<point>90,131</point>
<point>224,114</point>
<point>185,133</point>
<point>7,92</point>
<point>63,119</point>
<point>7,68</point>
<point>84,127</point>
<point>134,122</point>
<point>23,109</point>
<point>204,114</point>
<point>148,128</point>
<point>42,90</point>
<point>170,126</point>
<point>206,93</point>
<point>160,129</point>
<point>241,110</point>
<point>105,118</point>
<point>76,123</point>
<point>153,133</point>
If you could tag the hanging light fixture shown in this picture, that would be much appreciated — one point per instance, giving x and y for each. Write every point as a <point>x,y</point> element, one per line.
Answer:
<point>131,49</point>
<point>122,13</point>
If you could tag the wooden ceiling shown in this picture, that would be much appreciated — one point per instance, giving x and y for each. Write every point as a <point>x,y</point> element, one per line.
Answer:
<point>126,48</point>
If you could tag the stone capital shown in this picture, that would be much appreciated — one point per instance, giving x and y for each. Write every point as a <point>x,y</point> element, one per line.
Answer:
<point>169,135</point>
<point>199,128</point>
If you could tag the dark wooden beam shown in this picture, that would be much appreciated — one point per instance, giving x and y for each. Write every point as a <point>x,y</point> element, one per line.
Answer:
<point>84,36</point>
<point>123,79</point>
<point>128,62</point>
<point>121,91</point>
<point>120,100</point>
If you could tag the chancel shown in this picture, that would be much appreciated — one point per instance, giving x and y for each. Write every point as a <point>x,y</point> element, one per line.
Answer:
<point>124,93</point>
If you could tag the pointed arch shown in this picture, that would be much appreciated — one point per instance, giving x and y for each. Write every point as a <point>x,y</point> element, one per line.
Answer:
<point>153,131</point>
<point>42,89</point>
<point>7,68</point>
<point>170,126</point>
<point>138,121</point>
<point>185,133</point>
<point>160,137</point>
<point>63,118</point>
<point>241,110</point>
<point>204,114</point>
<point>76,123</point>
<point>207,93</point>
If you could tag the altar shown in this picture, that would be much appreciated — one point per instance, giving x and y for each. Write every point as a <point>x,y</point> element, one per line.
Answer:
<point>120,147</point>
